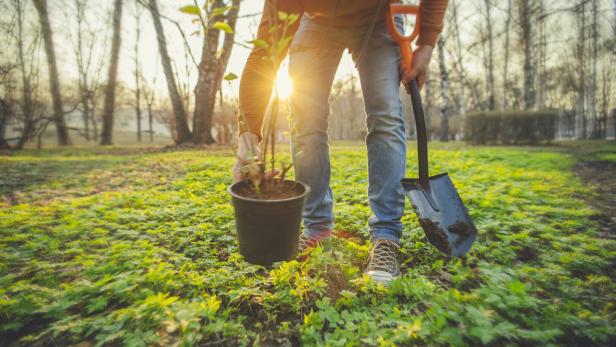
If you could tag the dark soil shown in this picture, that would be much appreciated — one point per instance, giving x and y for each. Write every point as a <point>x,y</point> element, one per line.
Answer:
<point>436,236</point>
<point>601,175</point>
<point>278,191</point>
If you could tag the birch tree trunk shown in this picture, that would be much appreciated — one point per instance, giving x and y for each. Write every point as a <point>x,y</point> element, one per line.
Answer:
<point>580,123</point>
<point>54,79</point>
<point>506,58</point>
<point>527,44</point>
<point>428,109</point>
<point>490,67</point>
<point>27,106</point>
<point>461,96</point>
<point>211,70</point>
<point>109,103</point>
<point>181,122</point>
<point>541,72</point>
<point>137,70</point>
<point>592,84</point>
<point>444,90</point>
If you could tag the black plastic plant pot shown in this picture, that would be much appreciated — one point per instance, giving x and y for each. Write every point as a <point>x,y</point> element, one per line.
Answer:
<point>268,230</point>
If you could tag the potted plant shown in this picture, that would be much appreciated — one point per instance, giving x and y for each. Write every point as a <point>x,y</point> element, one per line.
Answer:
<point>268,206</point>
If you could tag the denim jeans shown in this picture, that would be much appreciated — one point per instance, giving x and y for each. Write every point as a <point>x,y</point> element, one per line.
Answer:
<point>314,56</point>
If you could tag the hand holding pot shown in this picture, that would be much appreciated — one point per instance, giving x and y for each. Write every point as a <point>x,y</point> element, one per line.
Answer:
<point>248,149</point>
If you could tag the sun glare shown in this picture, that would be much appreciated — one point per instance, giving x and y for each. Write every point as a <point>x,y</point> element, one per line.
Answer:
<point>283,84</point>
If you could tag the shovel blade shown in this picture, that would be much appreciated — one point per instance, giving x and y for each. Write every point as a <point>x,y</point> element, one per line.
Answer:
<point>442,215</point>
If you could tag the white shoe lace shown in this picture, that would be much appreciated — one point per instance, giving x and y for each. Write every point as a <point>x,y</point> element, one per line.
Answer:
<point>384,256</point>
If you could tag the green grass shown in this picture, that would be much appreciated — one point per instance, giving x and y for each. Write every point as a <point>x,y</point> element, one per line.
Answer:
<point>116,246</point>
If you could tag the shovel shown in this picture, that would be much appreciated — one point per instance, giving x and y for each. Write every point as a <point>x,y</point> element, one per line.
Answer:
<point>435,200</point>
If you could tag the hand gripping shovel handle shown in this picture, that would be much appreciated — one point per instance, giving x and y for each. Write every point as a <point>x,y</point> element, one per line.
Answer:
<point>407,64</point>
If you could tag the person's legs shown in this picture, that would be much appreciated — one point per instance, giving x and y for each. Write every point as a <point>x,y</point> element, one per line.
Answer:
<point>380,81</point>
<point>313,59</point>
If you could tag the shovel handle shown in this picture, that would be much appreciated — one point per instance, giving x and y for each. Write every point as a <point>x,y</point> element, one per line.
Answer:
<point>404,41</point>
<point>422,136</point>
<point>407,64</point>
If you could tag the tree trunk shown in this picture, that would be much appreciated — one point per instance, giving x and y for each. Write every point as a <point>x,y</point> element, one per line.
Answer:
<point>592,84</point>
<point>580,124</point>
<point>490,67</point>
<point>527,43</point>
<point>151,131</point>
<point>428,108</point>
<point>5,114</point>
<point>85,115</point>
<point>54,79</point>
<point>27,105</point>
<point>109,104</point>
<point>506,59</point>
<point>461,96</point>
<point>211,70</point>
<point>181,121</point>
<point>541,57</point>
<point>137,74</point>
<point>444,90</point>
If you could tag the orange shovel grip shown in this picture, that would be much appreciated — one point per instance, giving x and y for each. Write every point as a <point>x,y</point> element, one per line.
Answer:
<point>403,41</point>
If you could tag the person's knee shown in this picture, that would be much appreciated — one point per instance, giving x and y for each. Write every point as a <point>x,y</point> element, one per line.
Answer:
<point>389,123</point>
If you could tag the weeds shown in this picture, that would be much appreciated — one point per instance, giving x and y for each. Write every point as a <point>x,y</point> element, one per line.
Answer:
<point>155,261</point>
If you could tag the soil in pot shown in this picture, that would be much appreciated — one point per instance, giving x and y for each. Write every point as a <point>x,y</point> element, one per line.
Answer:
<point>280,191</point>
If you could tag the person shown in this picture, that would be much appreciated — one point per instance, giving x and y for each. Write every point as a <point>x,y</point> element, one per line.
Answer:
<point>325,30</point>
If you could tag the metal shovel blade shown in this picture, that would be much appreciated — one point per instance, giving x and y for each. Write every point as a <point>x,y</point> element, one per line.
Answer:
<point>442,215</point>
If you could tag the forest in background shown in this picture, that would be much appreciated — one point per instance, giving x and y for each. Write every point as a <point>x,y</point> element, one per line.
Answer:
<point>59,69</point>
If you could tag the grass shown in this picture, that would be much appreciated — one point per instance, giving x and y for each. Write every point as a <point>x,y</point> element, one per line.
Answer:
<point>133,247</point>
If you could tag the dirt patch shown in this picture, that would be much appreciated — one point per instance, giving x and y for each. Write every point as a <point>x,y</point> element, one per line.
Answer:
<point>463,229</point>
<point>601,175</point>
<point>435,235</point>
<point>279,191</point>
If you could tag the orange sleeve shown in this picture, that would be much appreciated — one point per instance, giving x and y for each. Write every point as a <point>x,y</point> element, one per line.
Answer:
<point>259,72</point>
<point>431,17</point>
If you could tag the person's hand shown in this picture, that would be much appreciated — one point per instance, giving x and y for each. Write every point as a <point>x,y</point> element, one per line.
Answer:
<point>421,61</point>
<point>248,149</point>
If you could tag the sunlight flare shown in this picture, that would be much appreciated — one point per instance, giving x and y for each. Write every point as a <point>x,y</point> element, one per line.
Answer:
<point>283,84</point>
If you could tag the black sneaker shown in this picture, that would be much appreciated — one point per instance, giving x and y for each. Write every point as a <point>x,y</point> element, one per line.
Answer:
<point>383,264</point>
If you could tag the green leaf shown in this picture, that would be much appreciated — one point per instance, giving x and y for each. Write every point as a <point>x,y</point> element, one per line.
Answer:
<point>191,9</point>
<point>259,43</point>
<point>220,11</point>
<point>230,76</point>
<point>223,26</point>
<point>282,15</point>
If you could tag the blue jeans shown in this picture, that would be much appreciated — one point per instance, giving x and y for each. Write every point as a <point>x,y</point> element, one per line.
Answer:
<point>314,56</point>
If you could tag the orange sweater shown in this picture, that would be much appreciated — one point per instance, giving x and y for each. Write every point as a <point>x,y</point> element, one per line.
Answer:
<point>258,75</point>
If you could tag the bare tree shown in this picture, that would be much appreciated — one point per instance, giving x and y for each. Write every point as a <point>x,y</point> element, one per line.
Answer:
<point>526,25</point>
<point>212,66</point>
<point>27,105</point>
<point>182,132</point>
<point>459,65</point>
<point>444,90</point>
<point>89,65</point>
<point>54,79</point>
<point>580,127</point>
<point>490,56</point>
<point>506,55</point>
<point>149,95</point>
<point>110,88</point>
<point>592,83</point>
<point>138,10</point>
<point>541,61</point>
